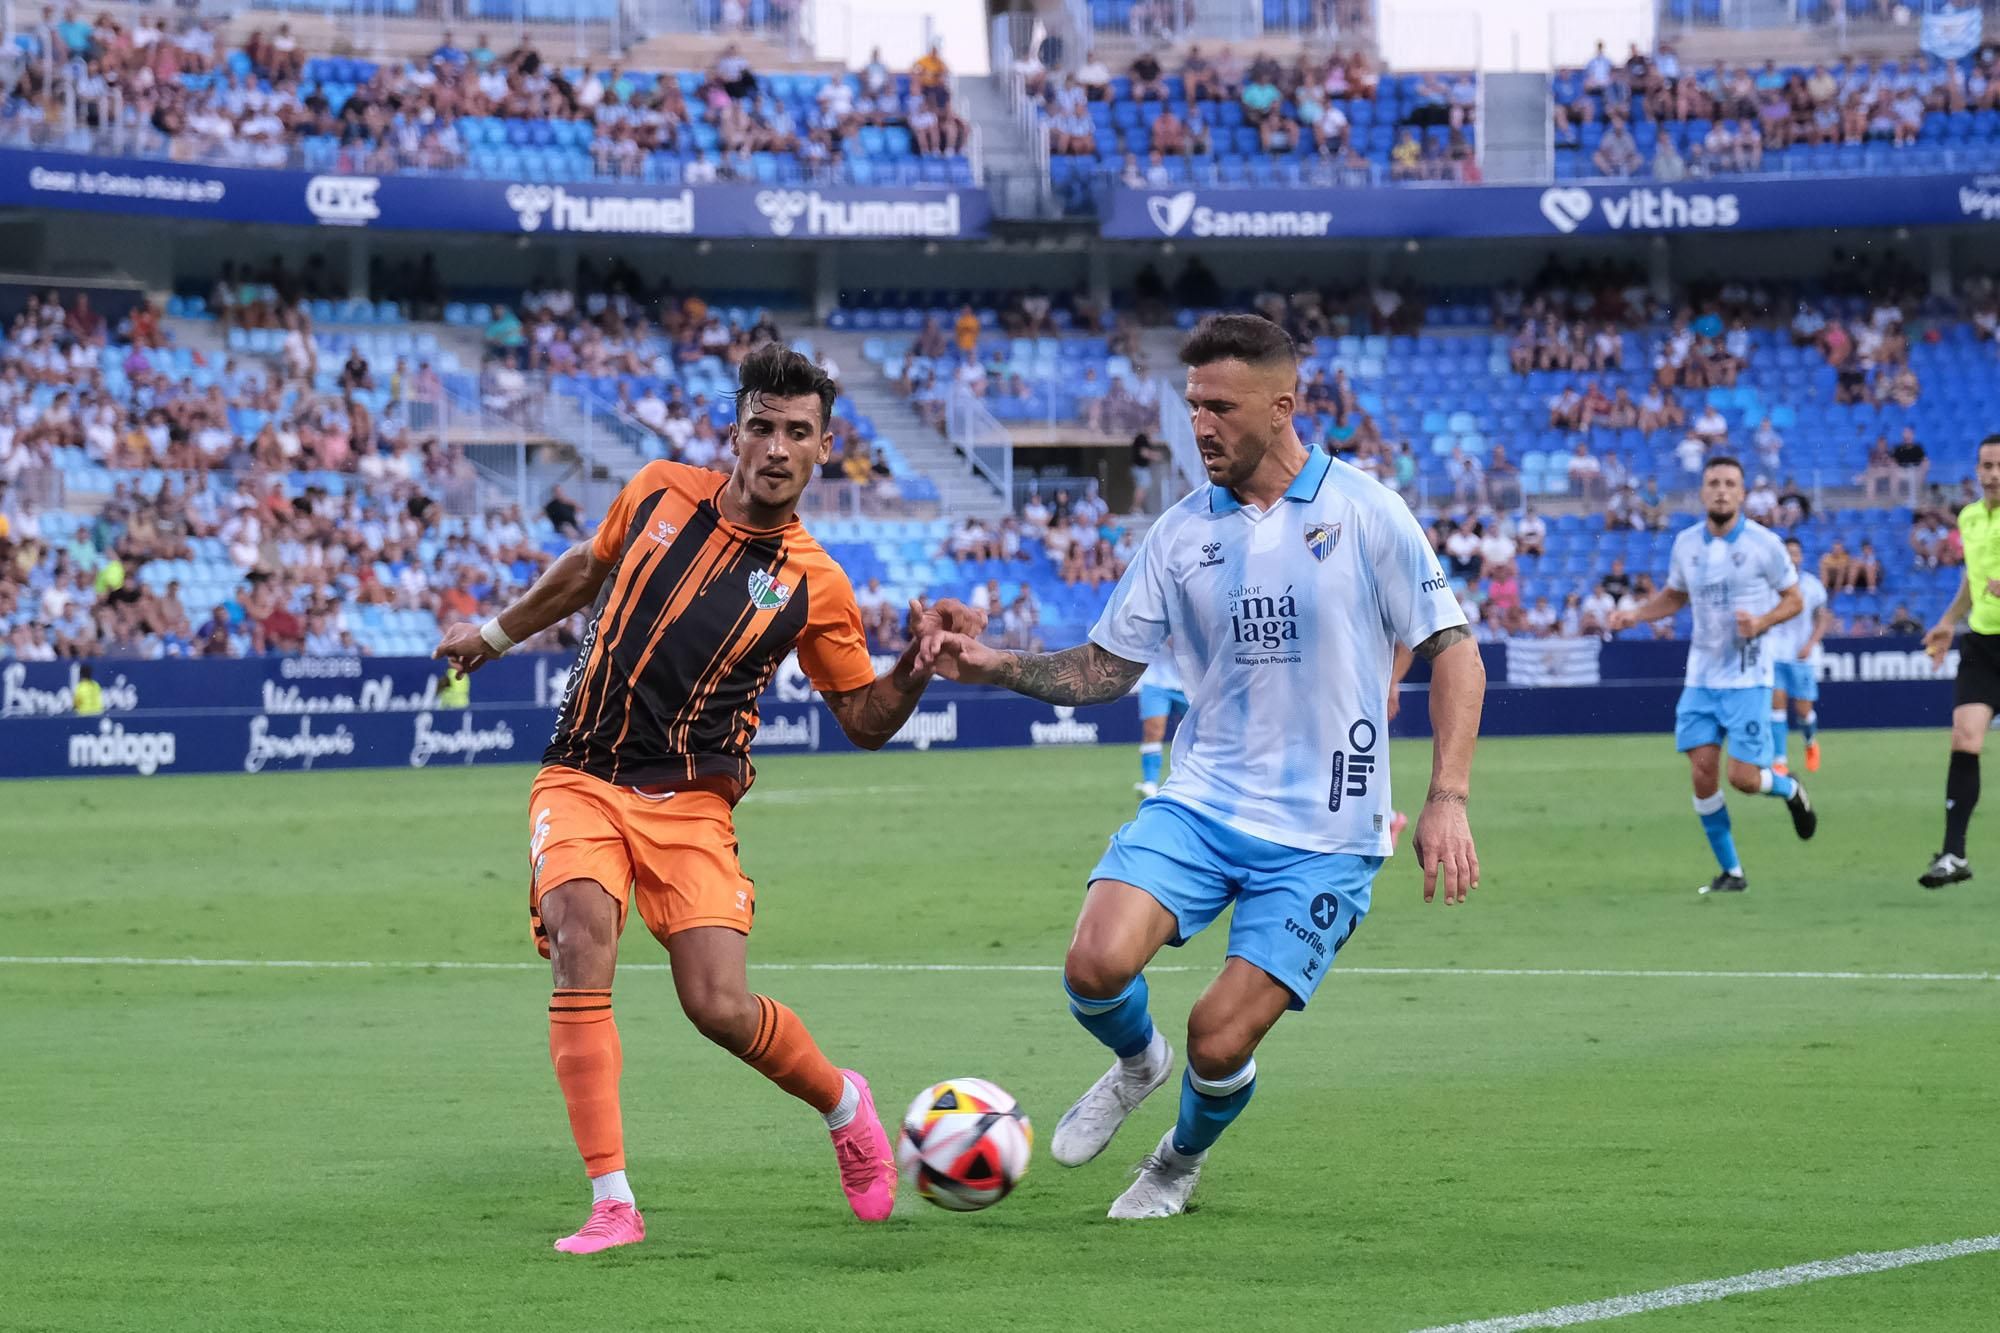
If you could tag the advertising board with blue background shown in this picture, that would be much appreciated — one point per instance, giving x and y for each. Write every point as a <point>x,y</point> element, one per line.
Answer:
<point>37,179</point>
<point>1767,204</point>
<point>417,202</point>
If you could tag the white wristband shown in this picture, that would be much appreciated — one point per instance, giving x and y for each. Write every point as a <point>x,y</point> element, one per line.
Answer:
<point>496,638</point>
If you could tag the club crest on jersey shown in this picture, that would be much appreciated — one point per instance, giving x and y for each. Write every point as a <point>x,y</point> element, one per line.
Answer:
<point>766,593</point>
<point>1321,538</point>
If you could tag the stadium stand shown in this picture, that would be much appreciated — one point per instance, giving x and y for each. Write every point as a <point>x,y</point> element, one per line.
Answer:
<point>477,111</point>
<point>1546,432</point>
<point>1334,120</point>
<point>1648,115</point>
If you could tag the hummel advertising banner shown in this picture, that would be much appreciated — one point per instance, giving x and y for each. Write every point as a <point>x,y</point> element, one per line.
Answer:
<point>30,179</point>
<point>1770,204</point>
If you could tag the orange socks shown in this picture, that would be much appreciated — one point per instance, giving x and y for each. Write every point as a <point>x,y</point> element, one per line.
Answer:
<point>784,1052</point>
<point>583,1045</point>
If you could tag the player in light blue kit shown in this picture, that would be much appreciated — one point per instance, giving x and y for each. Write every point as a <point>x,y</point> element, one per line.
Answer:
<point>1740,582</point>
<point>1162,704</point>
<point>1794,683</point>
<point>1283,586</point>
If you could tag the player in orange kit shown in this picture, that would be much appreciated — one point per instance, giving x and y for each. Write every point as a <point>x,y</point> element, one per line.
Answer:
<point>699,584</point>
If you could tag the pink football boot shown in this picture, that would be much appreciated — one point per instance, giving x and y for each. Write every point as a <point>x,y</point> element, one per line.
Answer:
<point>867,1167</point>
<point>612,1222</point>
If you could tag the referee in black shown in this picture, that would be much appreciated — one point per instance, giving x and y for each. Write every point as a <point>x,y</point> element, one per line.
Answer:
<point>1978,689</point>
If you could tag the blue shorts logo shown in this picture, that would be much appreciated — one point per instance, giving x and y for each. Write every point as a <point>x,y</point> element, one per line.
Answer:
<point>1325,911</point>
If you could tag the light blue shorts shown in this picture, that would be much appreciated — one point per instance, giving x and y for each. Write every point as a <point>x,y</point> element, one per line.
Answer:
<point>1797,679</point>
<point>1156,702</point>
<point>1706,717</point>
<point>1294,908</point>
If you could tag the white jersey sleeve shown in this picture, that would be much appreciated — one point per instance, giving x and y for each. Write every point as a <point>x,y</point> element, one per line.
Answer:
<point>1416,599</point>
<point>1681,573</point>
<point>1134,622</point>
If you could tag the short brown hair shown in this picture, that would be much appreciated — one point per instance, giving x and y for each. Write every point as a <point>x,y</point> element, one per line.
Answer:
<point>776,371</point>
<point>1251,339</point>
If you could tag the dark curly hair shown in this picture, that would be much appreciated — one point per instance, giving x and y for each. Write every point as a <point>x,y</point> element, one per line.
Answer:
<point>776,371</point>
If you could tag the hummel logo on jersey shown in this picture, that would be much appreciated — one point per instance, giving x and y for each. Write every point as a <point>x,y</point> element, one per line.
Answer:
<point>766,593</point>
<point>1211,554</point>
<point>1321,538</point>
<point>661,531</point>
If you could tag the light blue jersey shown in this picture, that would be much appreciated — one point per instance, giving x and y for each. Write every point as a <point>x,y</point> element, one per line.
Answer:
<point>1160,692</point>
<point>1283,623</point>
<point>1743,571</point>
<point>1162,673</point>
<point>1788,636</point>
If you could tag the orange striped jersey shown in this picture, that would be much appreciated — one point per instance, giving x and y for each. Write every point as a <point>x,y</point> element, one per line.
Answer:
<point>697,614</point>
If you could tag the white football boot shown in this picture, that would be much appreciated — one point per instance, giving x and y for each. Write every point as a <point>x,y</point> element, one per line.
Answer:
<point>1086,1129</point>
<point>1165,1181</point>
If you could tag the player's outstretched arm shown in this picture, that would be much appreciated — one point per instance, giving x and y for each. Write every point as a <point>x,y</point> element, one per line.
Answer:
<point>873,714</point>
<point>1085,674</point>
<point>1444,832</point>
<point>1664,603</point>
<point>1937,642</point>
<point>565,587</point>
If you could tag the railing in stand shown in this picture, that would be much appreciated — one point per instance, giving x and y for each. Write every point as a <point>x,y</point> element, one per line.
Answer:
<point>987,447</point>
<point>1177,432</point>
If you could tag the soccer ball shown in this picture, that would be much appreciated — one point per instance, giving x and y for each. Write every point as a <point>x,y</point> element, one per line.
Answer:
<point>965,1144</point>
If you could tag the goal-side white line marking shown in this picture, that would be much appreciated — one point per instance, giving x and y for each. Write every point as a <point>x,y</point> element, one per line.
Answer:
<point>363,964</point>
<point>1699,1293</point>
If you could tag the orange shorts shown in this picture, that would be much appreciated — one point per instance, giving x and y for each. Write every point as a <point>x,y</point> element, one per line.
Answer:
<point>674,852</point>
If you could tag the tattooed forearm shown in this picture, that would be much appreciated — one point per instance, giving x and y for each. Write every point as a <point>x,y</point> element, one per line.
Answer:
<point>1085,674</point>
<point>1443,639</point>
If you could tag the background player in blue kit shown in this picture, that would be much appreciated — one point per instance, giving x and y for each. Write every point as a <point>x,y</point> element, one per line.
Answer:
<point>1737,577</point>
<point>1162,704</point>
<point>1794,683</point>
<point>1284,586</point>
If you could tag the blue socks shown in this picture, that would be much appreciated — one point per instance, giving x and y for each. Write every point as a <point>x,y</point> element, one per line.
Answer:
<point>1715,823</point>
<point>1811,725</point>
<point>1780,746</point>
<point>1208,1107</point>
<point>1149,761</point>
<point>1122,1022</point>
<point>1780,785</point>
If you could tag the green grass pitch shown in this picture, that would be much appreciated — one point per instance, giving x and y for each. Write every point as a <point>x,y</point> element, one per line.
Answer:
<point>271,1149</point>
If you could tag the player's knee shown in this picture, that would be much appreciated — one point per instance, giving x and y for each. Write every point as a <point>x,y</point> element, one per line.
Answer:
<point>582,924</point>
<point>724,1013</point>
<point>1218,1052</point>
<point>1092,970</point>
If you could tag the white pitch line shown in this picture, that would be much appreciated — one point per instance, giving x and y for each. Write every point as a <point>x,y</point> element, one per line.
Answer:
<point>1700,1293</point>
<point>394,965</point>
